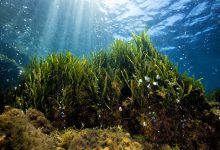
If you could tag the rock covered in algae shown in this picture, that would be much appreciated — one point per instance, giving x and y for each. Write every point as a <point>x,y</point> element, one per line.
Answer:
<point>97,139</point>
<point>16,132</point>
<point>38,119</point>
<point>19,130</point>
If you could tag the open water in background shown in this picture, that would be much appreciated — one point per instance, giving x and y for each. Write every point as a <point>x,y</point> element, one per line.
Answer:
<point>188,31</point>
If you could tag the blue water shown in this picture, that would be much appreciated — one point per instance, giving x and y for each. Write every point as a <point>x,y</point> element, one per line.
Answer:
<point>188,31</point>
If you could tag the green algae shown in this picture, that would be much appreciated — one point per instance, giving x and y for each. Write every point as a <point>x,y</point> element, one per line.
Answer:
<point>62,80</point>
<point>130,85</point>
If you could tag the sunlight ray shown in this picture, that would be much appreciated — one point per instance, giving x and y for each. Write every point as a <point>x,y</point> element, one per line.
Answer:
<point>66,25</point>
<point>51,23</point>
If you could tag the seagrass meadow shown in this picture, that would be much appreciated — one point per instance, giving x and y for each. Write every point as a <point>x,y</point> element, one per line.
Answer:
<point>128,97</point>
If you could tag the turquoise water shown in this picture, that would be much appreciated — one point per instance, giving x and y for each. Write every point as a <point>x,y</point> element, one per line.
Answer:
<point>188,31</point>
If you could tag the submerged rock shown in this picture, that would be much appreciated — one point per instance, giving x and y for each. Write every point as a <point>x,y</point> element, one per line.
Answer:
<point>99,139</point>
<point>38,120</point>
<point>16,132</point>
<point>19,130</point>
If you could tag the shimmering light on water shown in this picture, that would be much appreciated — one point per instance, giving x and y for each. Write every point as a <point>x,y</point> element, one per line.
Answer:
<point>114,3</point>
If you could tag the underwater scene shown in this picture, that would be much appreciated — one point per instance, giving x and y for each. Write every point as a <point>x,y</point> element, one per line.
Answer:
<point>110,74</point>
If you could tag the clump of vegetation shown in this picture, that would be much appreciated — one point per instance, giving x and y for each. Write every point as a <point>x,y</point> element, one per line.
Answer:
<point>131,75</point>
<point>131,85</point>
